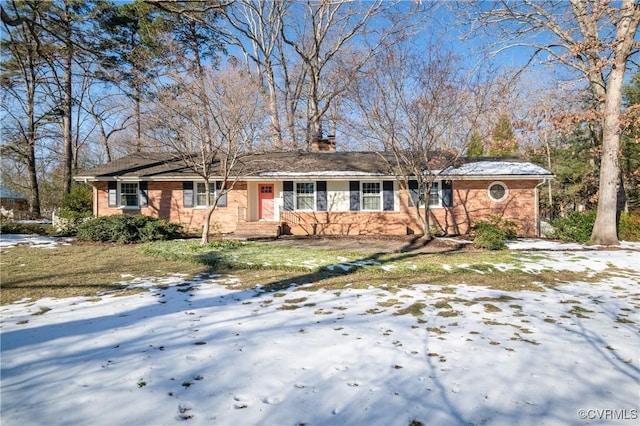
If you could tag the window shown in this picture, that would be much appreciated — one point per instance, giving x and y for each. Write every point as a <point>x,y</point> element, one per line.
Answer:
<point>434,195</point>
<point>498,191</point>
<point>201,195</point>
<point>304,196</point>
<point>129,194</point>
<point>417,195</point>
<point>371,196</point>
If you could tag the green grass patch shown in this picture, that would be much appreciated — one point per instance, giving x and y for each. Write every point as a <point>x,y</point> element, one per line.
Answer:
<point>414,309</point>
<point>79,269</point>
<point>89,269</point>
<point>488,307</point>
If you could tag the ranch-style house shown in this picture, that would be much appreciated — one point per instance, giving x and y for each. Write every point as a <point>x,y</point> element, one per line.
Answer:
<point>323,192</point>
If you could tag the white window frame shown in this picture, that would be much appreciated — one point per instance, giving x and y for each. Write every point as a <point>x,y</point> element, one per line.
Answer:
<point>122,197</point>
<point>438,185</point>
<point>311,196</point>
<point>212,190</point>
<point>362,196</point>
<point>504,186</point>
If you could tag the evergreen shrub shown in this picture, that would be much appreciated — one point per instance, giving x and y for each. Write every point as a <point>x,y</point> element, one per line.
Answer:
<point>76,208</point>
<point>24,228</point>
<point>493,233</point>
<point>128,229</point>
<point>629,227</point>
<point>575,226</point>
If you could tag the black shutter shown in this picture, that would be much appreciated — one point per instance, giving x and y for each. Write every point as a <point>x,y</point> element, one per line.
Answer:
<point>321,196</point>
<point>113,194</point>
<point>287,195</point>
<point>187,194</point>
<point>354,195</point>
<point>222,201</point>
<point>447,193</point>
<point>143,196</point>
<point>413,192</point>
<point>387,195</point>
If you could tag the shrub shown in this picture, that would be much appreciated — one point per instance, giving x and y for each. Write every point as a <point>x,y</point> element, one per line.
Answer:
<point>24,228</point>
<point>128,229</point>
<point>79,200</point>
<point>493,233</point>
<point>574,226</point>
<point>629,227</point>
<point>76,209</point>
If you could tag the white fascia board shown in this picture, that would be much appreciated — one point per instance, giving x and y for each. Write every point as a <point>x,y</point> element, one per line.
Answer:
<point>496,177</point>
<point>328,175</point>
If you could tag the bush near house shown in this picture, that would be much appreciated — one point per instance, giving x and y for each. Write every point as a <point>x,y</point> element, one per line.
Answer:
<point>24,228</point>
<point>76,208</point>
<point>575,226</point>
<point>493,233</point>
<point>128,229</point>
<point>629,227</point>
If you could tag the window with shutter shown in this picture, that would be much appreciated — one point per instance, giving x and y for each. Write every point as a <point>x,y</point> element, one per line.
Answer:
<point>304,195</point>
<point>129,194</point>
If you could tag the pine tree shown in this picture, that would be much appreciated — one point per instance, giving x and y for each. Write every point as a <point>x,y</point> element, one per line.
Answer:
<point>503,139</point>
<point>475,146</point>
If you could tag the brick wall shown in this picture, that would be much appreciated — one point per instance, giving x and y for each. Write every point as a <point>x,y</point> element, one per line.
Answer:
<point>471,204</point>
<point>166,202</point>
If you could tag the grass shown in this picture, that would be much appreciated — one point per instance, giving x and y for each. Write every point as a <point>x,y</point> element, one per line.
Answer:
<point>83,269</point>
<point>79,270</point>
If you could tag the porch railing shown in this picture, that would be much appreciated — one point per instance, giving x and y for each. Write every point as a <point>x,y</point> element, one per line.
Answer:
<point>289,217</point>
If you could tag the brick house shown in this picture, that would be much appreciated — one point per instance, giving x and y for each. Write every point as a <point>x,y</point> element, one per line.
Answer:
<point>320,193</point>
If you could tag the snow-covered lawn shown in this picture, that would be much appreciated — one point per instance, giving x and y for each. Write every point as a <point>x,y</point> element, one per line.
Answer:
<point>201,352</point>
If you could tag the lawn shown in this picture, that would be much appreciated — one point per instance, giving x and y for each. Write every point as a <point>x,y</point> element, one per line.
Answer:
<point>87,269</point>
<point>319,337</point>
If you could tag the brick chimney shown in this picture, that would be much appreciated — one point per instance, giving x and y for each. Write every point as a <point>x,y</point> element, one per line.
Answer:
<point>327,144</point>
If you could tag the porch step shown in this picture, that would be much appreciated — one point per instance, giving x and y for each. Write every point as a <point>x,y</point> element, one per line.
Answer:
<point>258,229</point>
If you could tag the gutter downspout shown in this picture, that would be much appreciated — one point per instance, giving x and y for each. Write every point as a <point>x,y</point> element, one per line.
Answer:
<point>537,206</point>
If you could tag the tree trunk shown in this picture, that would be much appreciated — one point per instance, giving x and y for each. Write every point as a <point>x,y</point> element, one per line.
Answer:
<point>605,229</point>
<point>34,189</point>
<point>138,98</point>
<point>67,135</point>
<point>276,127</point>
<point>206,225</point>
<point>34,196</point>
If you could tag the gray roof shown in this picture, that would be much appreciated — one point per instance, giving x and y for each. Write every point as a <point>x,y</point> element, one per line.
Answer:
<point>164,166</point>
<point>496,168</point>
<point>7,193</point>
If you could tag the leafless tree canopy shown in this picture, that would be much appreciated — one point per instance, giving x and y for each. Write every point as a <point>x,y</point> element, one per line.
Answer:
<point>596,39</point>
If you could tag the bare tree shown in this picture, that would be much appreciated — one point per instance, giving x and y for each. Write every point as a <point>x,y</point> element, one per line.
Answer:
<point>258,24</point>
<point>110,115</point>
<point>210,126</point>
<point>24,107</point>
<point>420,111</point>
<point>299,48</point>
<point>595,39</point>
<point>319,32</point>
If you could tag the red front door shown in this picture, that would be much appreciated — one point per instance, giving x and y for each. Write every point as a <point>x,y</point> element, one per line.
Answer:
<point>265,201</point>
